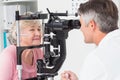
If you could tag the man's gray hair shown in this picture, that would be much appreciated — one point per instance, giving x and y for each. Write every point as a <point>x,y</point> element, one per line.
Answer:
<point>104,13</point>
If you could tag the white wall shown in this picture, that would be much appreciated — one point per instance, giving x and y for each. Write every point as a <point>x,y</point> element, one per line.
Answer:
<point>117,2</point>
<point>1,27</point>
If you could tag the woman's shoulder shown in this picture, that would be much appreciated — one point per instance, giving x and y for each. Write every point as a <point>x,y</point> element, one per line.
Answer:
<point>9,50</point>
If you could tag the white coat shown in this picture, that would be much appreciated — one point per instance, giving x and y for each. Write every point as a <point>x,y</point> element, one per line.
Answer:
<point>104,62</point>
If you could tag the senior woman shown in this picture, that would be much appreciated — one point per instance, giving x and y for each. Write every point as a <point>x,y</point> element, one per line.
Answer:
<point>30,31</point>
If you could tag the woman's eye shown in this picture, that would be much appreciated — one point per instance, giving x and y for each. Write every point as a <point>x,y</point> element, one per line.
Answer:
<point>32,29</point>
<point>39,30</point>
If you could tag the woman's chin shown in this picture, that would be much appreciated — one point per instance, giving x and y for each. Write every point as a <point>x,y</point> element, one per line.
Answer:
<point>36,43</point>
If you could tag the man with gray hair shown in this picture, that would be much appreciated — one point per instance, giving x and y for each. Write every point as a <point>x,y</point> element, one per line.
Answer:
<point>99,24</point>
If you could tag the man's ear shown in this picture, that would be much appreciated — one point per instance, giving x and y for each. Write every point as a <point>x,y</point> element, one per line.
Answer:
<point>92,25</point>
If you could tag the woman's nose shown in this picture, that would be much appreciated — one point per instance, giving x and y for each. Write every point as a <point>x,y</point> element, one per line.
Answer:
<point>37,32</point>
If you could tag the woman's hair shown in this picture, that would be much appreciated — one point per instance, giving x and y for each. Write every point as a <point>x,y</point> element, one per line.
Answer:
<point>103,12</point>
<point>12,34</point>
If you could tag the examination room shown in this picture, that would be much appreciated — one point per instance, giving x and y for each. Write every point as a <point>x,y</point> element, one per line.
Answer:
<point>59,40</point>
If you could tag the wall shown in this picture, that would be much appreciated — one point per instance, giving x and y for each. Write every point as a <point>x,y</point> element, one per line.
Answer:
<point>117,2</point>
<point>1,27</point>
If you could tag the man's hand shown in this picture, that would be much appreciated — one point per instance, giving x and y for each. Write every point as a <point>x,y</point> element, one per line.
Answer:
<point>68,75</point>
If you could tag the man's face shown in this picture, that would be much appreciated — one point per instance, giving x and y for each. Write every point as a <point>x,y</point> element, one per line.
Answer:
<point>87,31</point>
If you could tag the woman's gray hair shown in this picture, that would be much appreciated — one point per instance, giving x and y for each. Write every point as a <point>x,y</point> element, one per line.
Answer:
<point>12,34</point>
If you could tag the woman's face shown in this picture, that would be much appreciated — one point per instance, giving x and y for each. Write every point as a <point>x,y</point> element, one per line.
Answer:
<point>31,35</point>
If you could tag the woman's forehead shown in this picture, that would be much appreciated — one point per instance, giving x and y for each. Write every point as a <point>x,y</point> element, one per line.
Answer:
<point>30,23</point>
